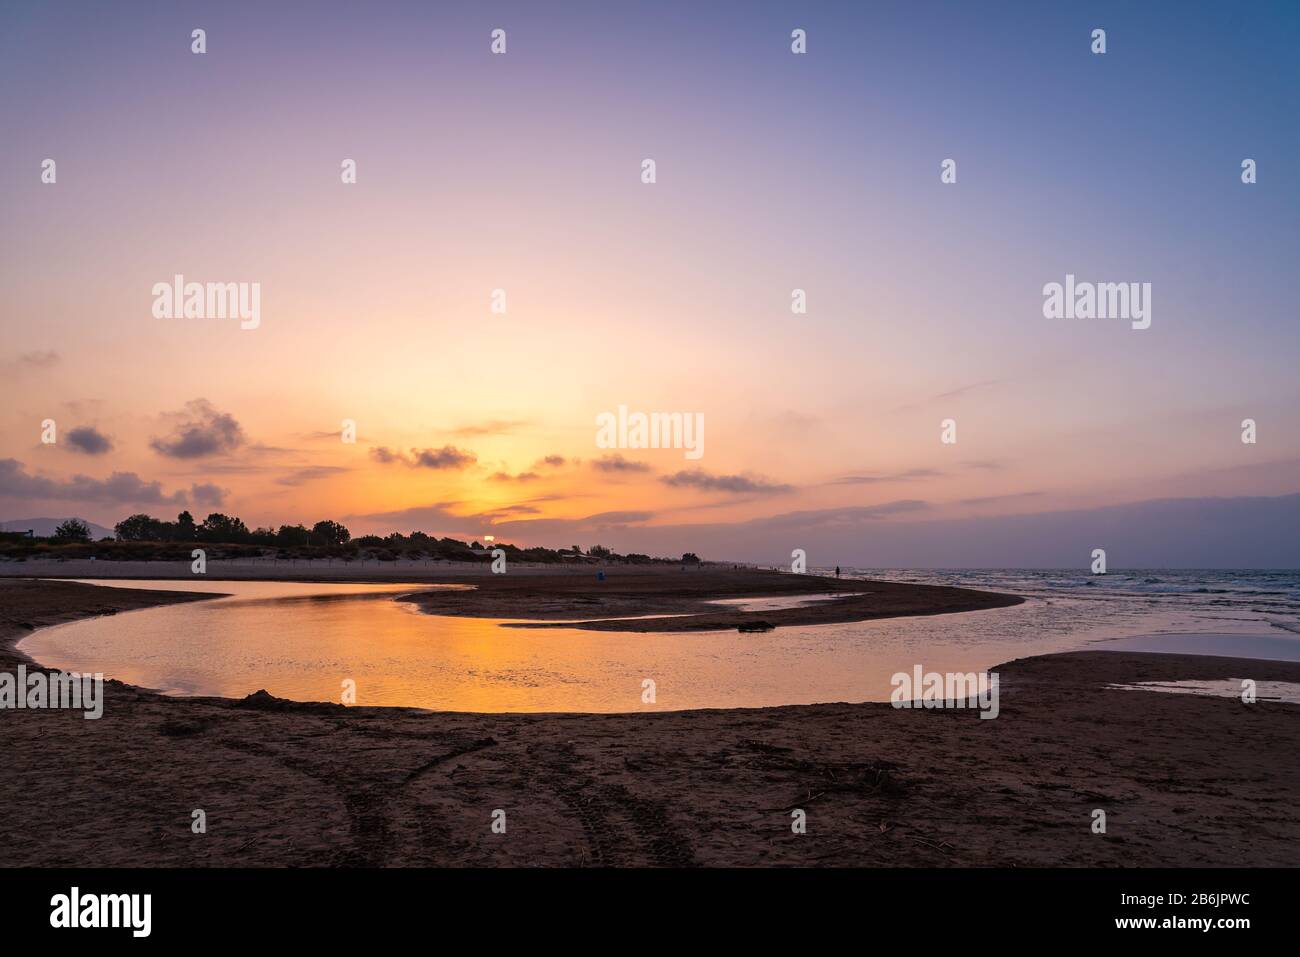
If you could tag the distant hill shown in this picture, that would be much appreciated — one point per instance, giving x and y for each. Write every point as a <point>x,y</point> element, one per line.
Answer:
<point>44,527</point>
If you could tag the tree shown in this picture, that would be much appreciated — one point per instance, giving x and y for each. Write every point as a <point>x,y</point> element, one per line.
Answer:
<point>599,551</point>
<point>329,533</point>
<point>690,558</point>
<point>138,528</point>
<point>185,528</point>
<point>291,536</point>
<point>73,530</point>
<point>222,528</point>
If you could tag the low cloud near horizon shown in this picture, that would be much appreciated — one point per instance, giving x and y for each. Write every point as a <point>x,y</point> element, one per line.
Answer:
<point>618,463</point>
<point>737,484</point>
<point>1241,532</point>
<point>126,488</point>
<point>447,457</point>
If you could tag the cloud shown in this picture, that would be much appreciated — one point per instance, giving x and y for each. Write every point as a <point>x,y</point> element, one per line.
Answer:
<point>496,514</point>
<point>553,461</point>
<point>558,530</point>
<point>207,494</point>
<point>952,394</point>
<point>200,430</point>
<point>850,517</point>
<point>439,518</point>
<point>236,468</point>
<point>616,463</point>
<point>334,435</point>
<point>911,475</point>
<point>908,475</point>
<point>795,420</point>
<point>762,538</point>
<point>1250,532</point>
<point>262,448</point>
<point>434,518</point>
<point>88,439</point>
<point>493,427</point>
<point>39,360</point>
<point>991,499</point>
<point>120,487</point>
<point>738,484</point>
<point>447,457</point>
<point>521,477</point>
<point>616,518</point>
<point>28,361</point>
<point>310,474</point>
<point>1244,532</point>
<point>963,390</point>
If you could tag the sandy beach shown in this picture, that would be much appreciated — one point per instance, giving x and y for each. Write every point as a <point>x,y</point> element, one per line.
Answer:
<point>701,452</point>
<point>1184,780</point>
<point>552,595</point>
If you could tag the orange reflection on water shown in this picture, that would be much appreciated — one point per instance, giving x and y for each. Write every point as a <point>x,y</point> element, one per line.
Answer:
<point>302,641</point>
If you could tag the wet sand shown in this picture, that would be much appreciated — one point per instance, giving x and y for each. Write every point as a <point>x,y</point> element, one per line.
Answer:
<point>556,596</point>
<point>684,599</point>
<point>1184,780</point>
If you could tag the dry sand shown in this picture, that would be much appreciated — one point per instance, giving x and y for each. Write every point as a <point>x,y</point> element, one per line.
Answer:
<point>1184,780</point>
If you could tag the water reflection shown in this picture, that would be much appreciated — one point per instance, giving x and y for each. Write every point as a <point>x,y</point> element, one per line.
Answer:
<point>302,640</point>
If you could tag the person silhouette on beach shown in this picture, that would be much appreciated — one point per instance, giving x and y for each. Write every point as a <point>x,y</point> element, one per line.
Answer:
<point>837,571</point>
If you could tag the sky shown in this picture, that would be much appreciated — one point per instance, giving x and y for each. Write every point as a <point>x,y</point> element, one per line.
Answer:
<point>774,171</point>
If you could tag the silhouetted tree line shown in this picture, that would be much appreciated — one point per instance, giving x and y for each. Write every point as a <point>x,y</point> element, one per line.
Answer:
<point>228,530</point>
<point>330,537</point>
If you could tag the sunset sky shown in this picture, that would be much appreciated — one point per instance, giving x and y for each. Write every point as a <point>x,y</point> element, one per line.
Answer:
<point>775,171</point>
